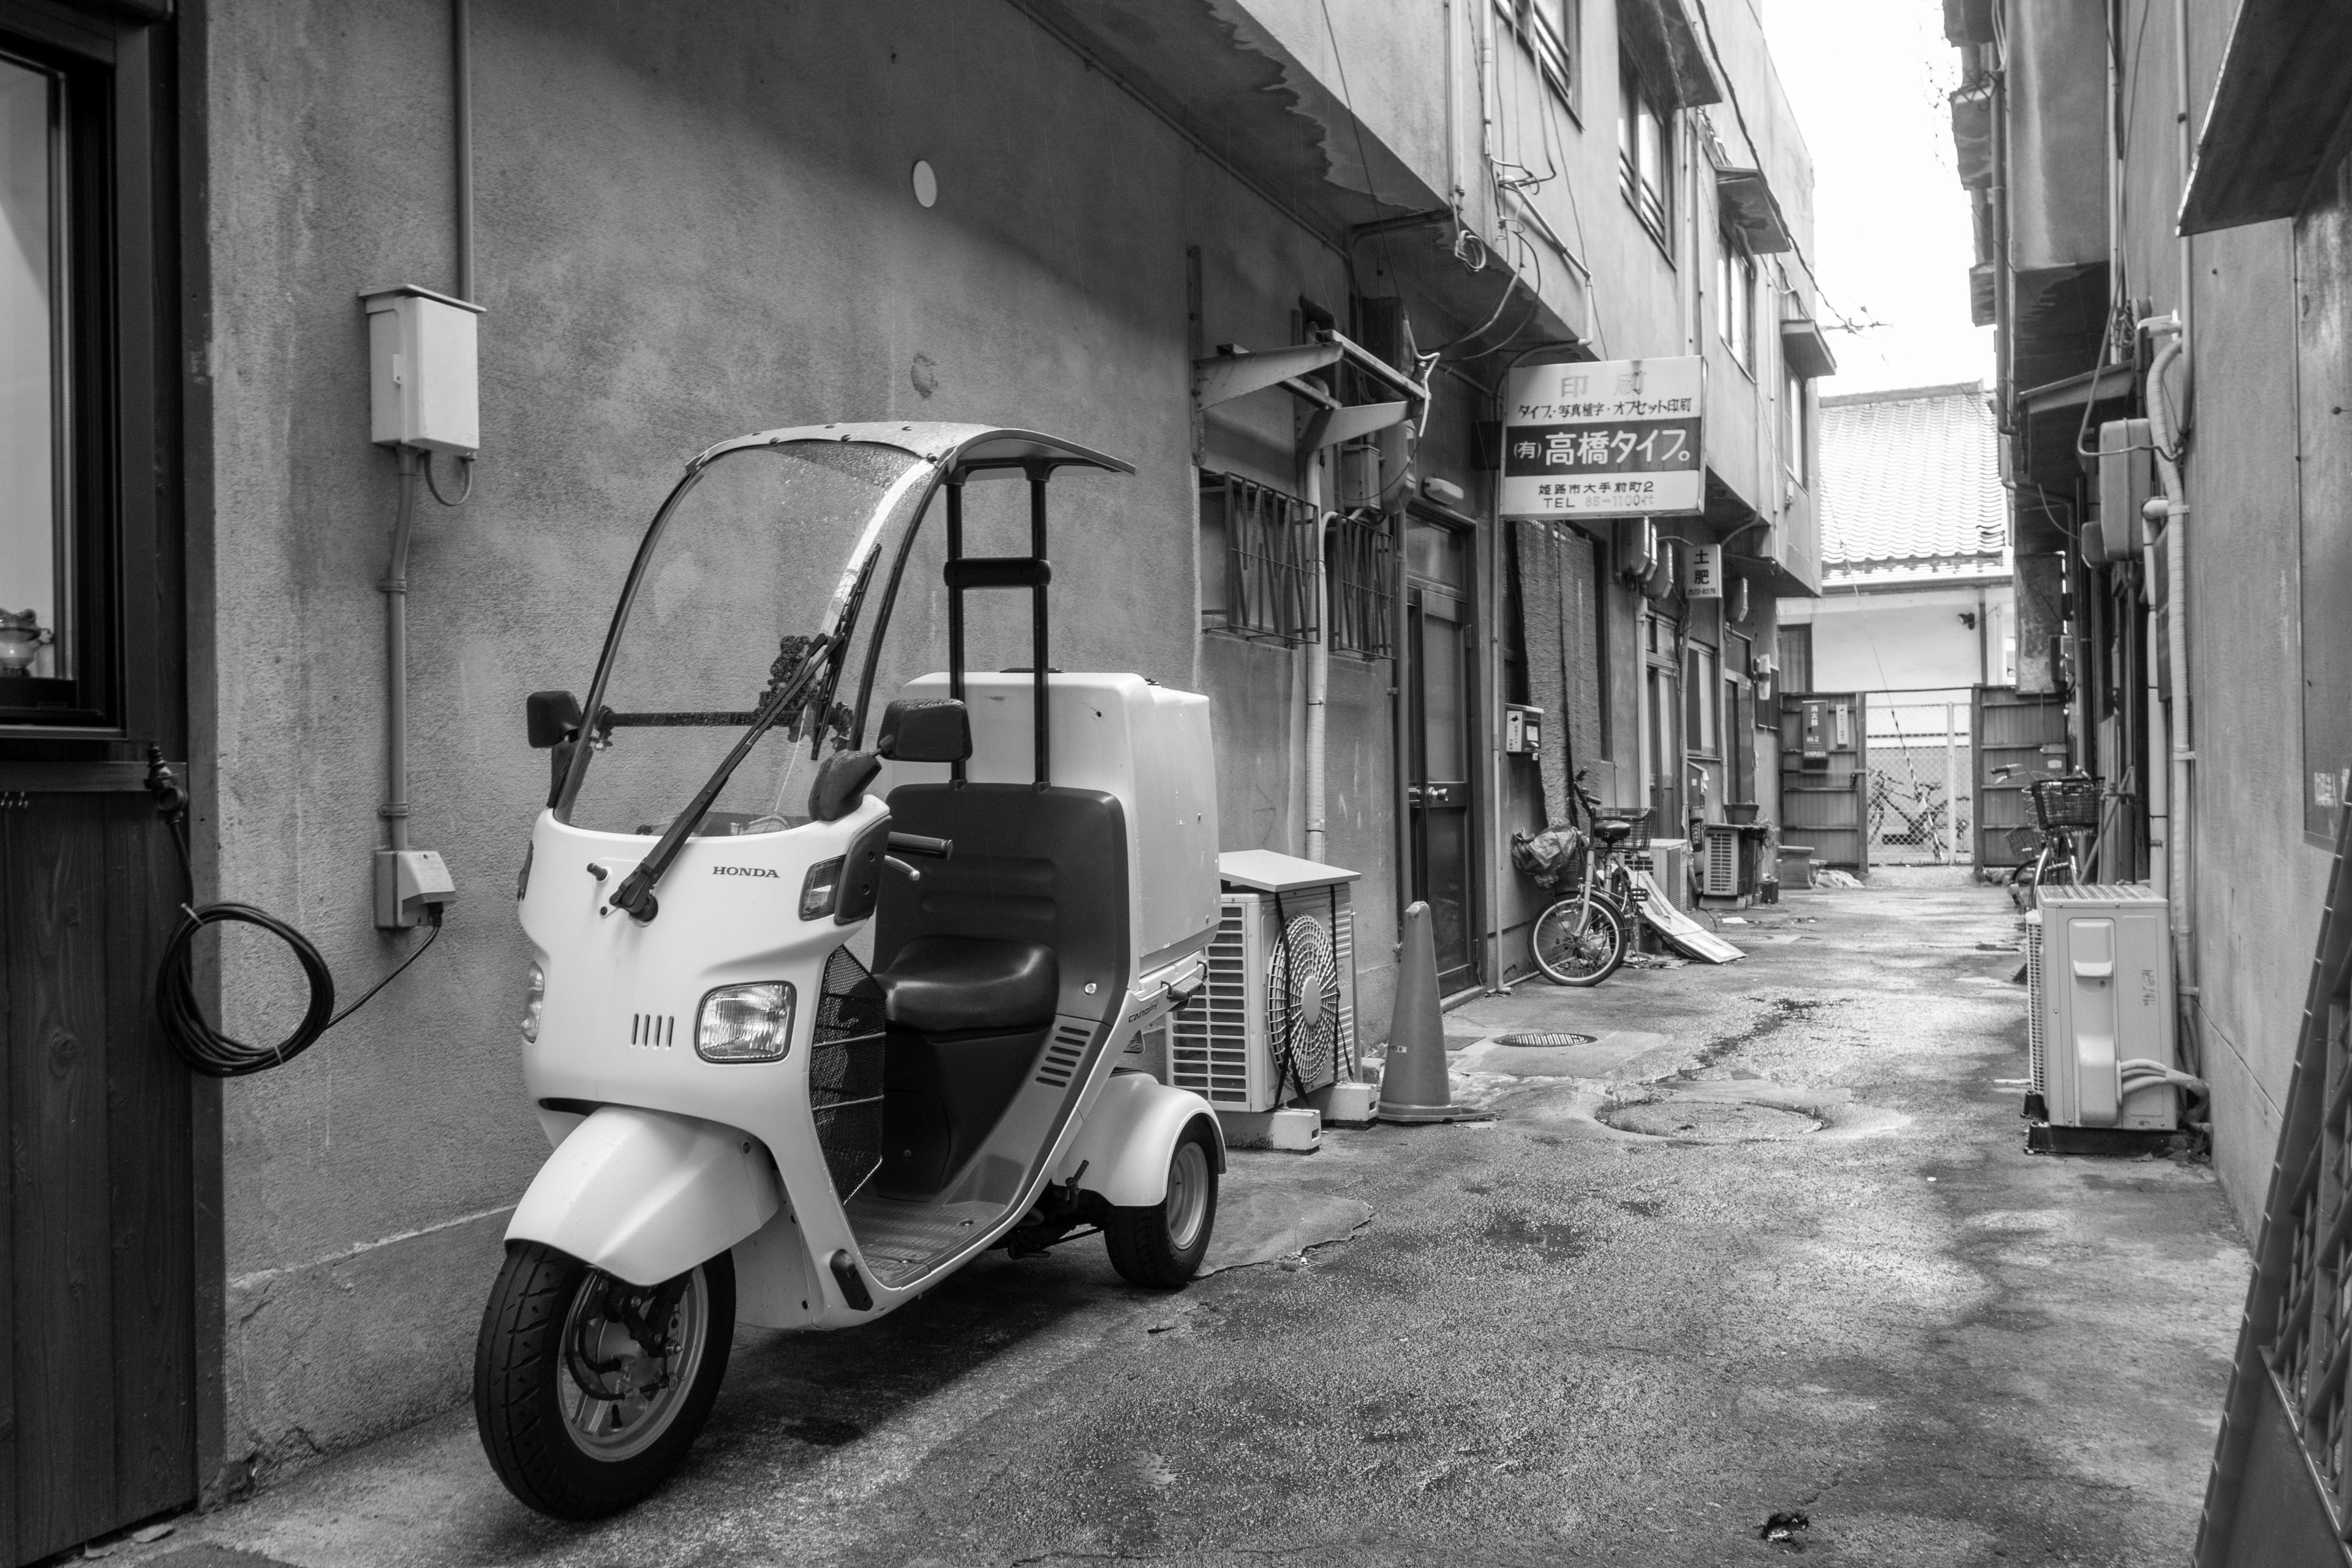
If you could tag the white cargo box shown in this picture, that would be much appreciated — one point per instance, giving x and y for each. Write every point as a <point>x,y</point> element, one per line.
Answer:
<point>1148,745</point>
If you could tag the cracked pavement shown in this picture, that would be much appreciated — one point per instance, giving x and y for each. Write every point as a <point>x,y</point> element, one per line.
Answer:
<point>1835,1286</point>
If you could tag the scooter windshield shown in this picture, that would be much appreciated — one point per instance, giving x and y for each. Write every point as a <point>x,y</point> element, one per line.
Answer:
<point>748,585</point>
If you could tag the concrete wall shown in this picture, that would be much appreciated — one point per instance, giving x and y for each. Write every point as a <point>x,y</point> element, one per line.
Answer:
<point>695,221</point>
<point>2260,879</point>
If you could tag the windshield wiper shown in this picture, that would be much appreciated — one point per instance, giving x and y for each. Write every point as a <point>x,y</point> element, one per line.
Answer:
<point>634,897</point>
<point>711,720</point>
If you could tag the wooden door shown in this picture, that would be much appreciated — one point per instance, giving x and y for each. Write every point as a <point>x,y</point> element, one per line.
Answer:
<point>97,1398</point>
<point>1825,776</point>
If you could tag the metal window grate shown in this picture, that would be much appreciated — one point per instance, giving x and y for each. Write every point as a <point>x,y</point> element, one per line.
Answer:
<point>1269,559</point>
<point>1362,563</point>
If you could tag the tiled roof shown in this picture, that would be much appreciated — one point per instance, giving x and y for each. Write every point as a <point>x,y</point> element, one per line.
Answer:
<point>1910,486</point>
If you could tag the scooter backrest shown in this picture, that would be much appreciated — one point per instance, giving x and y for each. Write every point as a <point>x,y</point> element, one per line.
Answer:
<point>925,730</point>
<point>841,781</point>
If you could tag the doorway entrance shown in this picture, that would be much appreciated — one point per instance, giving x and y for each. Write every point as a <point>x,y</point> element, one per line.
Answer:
<point>1440,630</point>
<point>98,1216</point>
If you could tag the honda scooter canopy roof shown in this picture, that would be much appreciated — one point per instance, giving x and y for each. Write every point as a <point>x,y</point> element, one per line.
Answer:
<point>973,450</point>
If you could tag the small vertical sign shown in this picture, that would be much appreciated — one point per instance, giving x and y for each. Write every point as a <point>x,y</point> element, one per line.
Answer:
<point>1705,571</point>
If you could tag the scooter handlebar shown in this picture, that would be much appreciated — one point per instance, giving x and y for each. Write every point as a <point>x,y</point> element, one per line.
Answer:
<point>917,844</point>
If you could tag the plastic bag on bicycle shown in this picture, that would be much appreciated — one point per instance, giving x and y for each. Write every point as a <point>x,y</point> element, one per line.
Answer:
<point>1547,856</point>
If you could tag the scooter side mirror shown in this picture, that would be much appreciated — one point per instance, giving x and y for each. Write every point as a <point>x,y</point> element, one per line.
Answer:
<point>841,781</point>
<point>925,730</point>
<point>552,716</point>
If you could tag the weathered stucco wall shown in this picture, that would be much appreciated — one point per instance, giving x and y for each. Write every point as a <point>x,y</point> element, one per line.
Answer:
<point>2260,880</point>
<point>695,220</point>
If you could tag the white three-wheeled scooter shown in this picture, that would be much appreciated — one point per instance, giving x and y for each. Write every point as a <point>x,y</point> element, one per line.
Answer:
<point>808,1038</point>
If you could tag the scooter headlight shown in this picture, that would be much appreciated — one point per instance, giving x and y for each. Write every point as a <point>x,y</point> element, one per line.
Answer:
<point>534,1000</point>
<point>745,1024</point>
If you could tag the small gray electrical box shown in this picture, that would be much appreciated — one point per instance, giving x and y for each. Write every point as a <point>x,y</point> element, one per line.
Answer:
<point>424,371</point>
<point>2127,479</point>
<point>409,884</point>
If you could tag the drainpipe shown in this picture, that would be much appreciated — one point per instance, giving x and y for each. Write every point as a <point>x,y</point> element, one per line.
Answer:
<point>2158,786</point>
<point>394,586</point>
<point>2171,514</point>
<point>1319,671</point>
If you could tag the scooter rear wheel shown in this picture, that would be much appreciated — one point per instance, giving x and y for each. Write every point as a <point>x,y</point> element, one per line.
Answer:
<point>579,1415</point>
<point>1160,1246</point>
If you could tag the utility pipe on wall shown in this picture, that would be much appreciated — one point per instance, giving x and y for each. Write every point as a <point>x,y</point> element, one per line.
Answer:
<point>2172,515</point>
<point>394,810</point>
<point>1318,663</point>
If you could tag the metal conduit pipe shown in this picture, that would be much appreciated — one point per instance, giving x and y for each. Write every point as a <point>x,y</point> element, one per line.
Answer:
<point>1318,666</point>
<point>394,810</point>
<point>2171,514</point>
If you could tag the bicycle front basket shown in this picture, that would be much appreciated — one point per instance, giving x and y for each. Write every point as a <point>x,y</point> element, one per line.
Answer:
<point>2066,803</point>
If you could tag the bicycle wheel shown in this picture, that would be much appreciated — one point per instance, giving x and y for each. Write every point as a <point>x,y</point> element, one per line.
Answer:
<point>1576,944</point>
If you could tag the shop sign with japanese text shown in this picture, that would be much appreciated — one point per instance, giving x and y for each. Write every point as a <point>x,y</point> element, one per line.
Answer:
<point>1604,439</point>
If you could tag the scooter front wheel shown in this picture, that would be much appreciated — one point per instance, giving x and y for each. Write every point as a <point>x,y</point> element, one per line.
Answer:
<point>588,1389</point>
<point>1160,1246</point>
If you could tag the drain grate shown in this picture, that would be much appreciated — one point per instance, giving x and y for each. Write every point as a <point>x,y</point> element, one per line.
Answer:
<point>1541,1037</point>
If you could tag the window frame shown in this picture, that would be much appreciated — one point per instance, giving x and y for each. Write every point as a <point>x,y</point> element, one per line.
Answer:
<point>1702,701</point>
<point>1737,279</point>
<point>86,442</point>
<point>1559,58</point>
<point>1796,428</point>
<point>1652,198</point>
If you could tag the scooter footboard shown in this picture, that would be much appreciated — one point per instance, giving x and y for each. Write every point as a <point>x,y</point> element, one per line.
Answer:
<point>647,1194</point>
<point>1122,1150</point>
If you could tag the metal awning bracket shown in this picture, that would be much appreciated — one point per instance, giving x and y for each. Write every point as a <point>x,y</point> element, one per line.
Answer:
<point>1234,372</point>
<point>1337,426</point>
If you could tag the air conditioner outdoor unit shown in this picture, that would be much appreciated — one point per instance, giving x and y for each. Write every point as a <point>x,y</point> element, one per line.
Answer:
<point>1277,1018</point>
<point>2098,969</point>
<point>1720,868</point>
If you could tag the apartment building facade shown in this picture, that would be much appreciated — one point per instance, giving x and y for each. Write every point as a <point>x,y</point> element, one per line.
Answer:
<point>684,223</point>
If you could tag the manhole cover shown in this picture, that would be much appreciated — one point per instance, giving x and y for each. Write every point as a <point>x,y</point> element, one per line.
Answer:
<point>1710,1120</point>
<point>1540,1037</point>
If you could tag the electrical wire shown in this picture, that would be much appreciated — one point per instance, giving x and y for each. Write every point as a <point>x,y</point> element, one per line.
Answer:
<point>465,468</point>
<point>206,1049</point>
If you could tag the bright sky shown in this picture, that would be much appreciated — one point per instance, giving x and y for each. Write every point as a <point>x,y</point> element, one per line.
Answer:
<point>1891,224</point>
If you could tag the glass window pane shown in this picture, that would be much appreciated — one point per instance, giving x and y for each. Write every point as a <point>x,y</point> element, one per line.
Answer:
<point>32,601</point>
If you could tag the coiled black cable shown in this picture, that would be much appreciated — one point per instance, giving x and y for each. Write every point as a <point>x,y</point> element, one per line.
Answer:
<point>205,1048</point>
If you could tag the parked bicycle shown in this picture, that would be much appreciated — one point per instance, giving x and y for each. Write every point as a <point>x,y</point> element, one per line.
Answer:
<point>1583,937</point>
<point>2063,805</point>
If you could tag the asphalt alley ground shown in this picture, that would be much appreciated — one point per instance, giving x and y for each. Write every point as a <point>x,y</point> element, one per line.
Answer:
<point>1769,1244</point>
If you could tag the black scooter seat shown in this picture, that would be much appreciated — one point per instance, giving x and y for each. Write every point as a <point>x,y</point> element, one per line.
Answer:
<point>954,984</point>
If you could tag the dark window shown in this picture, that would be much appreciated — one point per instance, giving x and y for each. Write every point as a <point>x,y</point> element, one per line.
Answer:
<point>56,635</point>
<point>1701,691</point>
<point>1256,561</point>
<point>1793,651</point>
<point>1646,152</point>
<point>1361,560</point>
<point>1735,299</point>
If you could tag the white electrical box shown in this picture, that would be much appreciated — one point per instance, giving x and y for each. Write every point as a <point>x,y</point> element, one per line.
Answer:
<point>424,371</point>
<point>1522,729</point>
<point>2099,992</point>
